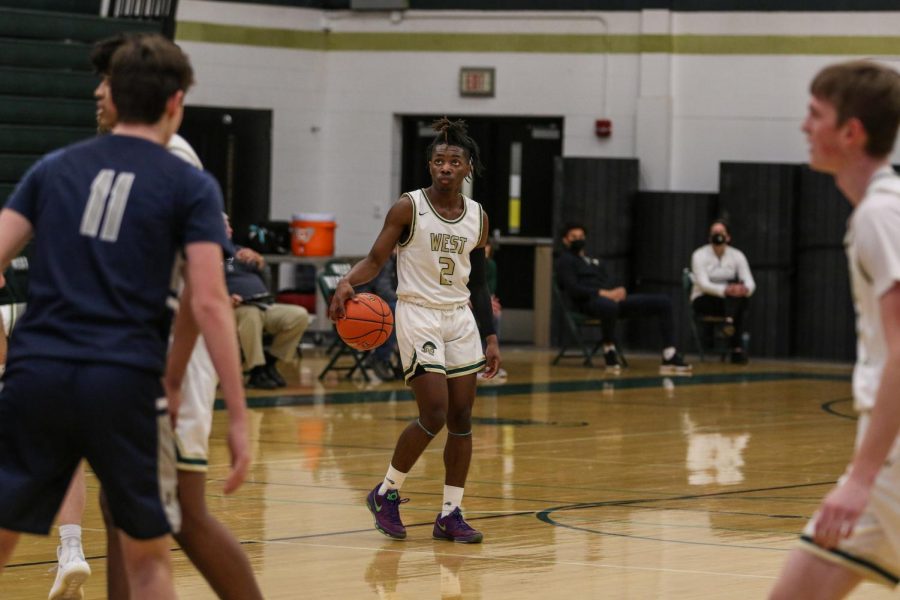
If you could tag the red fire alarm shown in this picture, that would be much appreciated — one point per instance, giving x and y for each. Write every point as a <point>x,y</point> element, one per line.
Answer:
<point>603,128</point>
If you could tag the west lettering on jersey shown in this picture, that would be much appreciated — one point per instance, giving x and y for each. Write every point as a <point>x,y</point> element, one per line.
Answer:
<point>450,244</point>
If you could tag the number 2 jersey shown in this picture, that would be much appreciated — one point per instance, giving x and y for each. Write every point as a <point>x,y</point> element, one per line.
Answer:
<point>110,216</point>
<point>433,260</point>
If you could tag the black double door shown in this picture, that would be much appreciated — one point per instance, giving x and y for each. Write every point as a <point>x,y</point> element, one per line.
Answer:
<point>520,146</point>
<point>235,145</point>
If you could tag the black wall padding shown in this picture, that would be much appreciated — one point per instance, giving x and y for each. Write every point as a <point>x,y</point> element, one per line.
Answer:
<point>515,276</point>
<point>821,212</point>
<point>597,192</point>
<point>770,319</point>
<point>758,201</point>
<point>85,7</point>
<point>668,227</point>
<point>824,321</point>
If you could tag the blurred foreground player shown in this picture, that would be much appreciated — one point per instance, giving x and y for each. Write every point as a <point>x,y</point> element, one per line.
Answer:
<point>109,217</point>
<point>851,126</point>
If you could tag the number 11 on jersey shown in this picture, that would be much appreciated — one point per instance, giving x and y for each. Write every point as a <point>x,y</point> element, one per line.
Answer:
<point>109,194</point>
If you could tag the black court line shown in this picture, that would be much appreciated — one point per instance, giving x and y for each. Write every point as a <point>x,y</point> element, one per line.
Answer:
<point>544,515</point>
<point>829,408</point>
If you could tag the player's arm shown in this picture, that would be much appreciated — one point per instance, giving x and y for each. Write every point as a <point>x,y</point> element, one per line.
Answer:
<point>701,277</point>
<point>842,507</point>
<point>481,302</point>
<point>212,311</point>
<point>15,231</point>
<point>399,218</point>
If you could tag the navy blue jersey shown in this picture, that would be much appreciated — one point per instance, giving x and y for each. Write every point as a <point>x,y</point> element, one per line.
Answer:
<point>110,216</point>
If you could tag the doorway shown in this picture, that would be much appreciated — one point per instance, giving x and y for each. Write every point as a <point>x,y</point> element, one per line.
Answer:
<point>235,146</point>
<point>518,154</point>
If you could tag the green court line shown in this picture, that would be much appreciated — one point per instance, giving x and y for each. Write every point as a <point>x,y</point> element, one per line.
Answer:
<point>516,389</point>
<point>542,43</point>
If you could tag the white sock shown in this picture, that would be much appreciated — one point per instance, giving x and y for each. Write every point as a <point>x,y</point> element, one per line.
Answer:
<point>70,543</point>
<point>608,347</point>
<point>668,353</point>
<point>70,531</point>
<point>392,481</point>
<point>452,499</point>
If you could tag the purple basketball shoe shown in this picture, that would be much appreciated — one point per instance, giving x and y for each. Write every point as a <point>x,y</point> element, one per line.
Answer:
<point>455,529</point>
<point>386,510</point>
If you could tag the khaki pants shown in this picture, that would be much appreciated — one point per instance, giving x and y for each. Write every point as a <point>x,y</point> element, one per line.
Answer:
<point>286,322</point>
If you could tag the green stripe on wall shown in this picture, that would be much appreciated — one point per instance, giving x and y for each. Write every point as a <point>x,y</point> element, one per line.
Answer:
<point>190,31</point>
<point>786,44</point>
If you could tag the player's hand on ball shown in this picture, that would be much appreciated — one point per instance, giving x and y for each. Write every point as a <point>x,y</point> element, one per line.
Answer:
<point>342,293</point>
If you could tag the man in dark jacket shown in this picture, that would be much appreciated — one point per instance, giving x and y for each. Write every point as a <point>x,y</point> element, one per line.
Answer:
<point>589,290</point>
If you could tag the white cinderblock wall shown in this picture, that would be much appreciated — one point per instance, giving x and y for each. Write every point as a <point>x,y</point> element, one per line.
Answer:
<point>335,136</point>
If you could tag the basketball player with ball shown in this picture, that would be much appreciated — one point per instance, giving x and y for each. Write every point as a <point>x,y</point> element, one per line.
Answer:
<point>440,235</point>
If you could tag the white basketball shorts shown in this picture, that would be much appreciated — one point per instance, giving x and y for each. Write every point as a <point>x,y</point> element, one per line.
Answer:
<point>438,340</point>
<point>198,395</point>
<point>873,549</point>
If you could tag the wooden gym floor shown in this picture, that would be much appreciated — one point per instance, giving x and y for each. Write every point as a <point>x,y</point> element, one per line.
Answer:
<point>586,485</point>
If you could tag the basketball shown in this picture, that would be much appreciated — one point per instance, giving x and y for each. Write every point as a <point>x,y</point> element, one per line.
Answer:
<point>368,322</point>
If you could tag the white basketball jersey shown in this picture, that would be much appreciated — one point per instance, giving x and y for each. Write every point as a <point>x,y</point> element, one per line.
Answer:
<point>179,147</point>
<point>433,261</point>
<point>873,253</point>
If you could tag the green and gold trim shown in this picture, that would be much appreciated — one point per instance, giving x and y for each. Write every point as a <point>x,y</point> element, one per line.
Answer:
<point>196,464</point>
<point>539,43</point>
<point>428,367</point>
<point>412,225</point>
<point>483,215</point>
<point>438,215</point>
<point>466,369</point>
<point>861,566</point>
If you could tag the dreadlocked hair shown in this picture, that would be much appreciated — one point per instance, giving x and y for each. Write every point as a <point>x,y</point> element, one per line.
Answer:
<point>456,133</point>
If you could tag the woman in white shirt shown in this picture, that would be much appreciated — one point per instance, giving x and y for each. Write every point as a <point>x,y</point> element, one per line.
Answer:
<point>722,285</point>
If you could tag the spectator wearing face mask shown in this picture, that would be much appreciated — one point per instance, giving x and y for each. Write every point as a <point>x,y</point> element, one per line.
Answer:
<point>723,285</point>
<point>590,290</point>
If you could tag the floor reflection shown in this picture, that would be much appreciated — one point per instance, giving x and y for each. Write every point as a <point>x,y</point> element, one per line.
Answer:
<point>714,457</point>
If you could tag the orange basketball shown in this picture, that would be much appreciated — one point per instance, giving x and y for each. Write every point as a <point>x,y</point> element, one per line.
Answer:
<point>368,322</point>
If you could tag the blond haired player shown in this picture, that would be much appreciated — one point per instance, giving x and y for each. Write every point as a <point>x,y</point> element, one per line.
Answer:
<point>851,126</point>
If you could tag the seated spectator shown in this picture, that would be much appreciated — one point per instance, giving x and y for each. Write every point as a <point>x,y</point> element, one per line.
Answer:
<point>385,286</point>
<point>722,285</point>
<point>588,287</point>
<point>256,313</point>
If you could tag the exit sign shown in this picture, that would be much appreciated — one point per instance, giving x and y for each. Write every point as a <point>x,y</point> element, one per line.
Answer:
<point>476,81</point>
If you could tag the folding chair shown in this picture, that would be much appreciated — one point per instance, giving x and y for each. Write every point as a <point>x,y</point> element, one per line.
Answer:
<point>338,349</point>
<point>576,324</point>
<point>14,294</point>
<point>338,267</point>
<point>703,325</point>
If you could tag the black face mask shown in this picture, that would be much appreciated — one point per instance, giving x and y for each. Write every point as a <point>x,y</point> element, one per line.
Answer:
<point>717,239</point>
<point>576,246</point>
